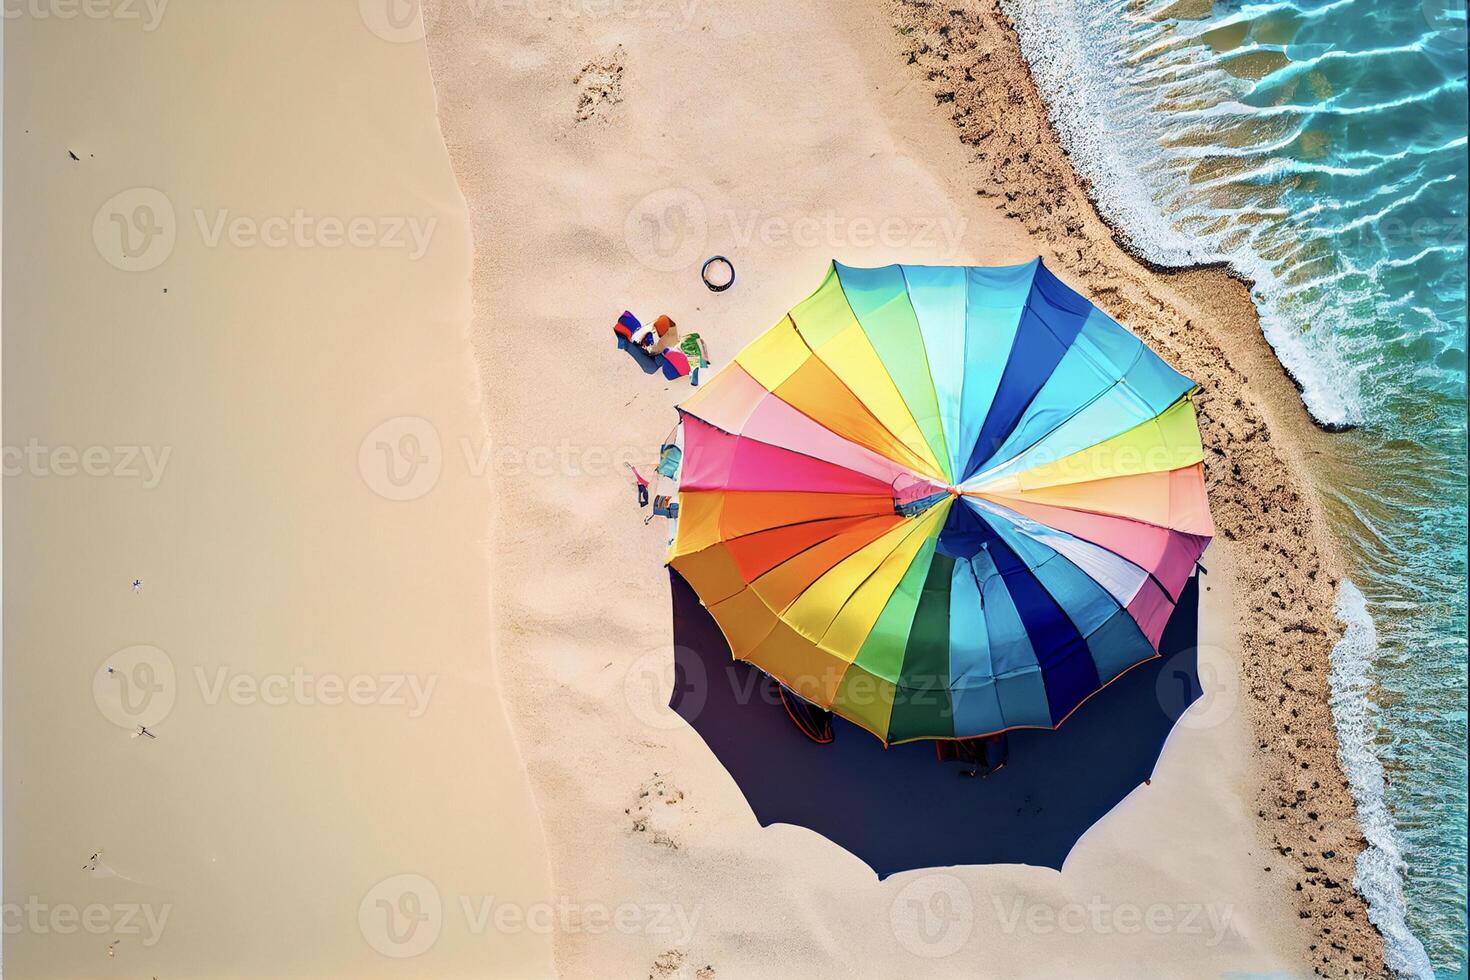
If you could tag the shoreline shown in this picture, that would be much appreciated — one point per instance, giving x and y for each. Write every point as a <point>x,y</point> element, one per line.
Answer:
<point>1356,947</point>
<point>632,803</point>
<point>1223,266</point>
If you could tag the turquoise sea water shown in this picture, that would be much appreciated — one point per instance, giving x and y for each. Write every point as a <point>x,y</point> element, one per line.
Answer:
<point>1320,147</point>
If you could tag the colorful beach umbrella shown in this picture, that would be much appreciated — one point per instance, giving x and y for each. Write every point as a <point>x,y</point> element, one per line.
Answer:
<point>895,806</point>
<point>942,502</point>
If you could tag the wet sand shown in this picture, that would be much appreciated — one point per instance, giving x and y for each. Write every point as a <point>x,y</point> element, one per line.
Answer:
<point>604,152</point>
<point>210,402</point>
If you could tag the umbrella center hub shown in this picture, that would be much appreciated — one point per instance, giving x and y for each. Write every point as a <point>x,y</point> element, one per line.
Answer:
<point>914,495</point>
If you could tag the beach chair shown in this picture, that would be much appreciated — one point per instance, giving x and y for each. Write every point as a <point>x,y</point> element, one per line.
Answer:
<point>640,483</point>
<point>813,722</point>
<point>669,458</point>
<point>981,756</point>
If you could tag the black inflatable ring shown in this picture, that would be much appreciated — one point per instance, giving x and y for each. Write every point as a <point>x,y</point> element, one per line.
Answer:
<point>704,274</point>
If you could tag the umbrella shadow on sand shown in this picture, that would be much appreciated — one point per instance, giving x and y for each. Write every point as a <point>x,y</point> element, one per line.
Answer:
<point>900,808</point>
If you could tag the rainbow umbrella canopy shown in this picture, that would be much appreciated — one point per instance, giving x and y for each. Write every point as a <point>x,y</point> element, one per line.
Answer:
<point>942,502</point>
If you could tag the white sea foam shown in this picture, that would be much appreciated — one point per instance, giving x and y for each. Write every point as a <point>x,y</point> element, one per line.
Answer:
<point>1381,865</point>
<point>1081,55</point>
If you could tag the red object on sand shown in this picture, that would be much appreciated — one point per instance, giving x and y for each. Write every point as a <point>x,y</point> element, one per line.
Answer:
<point>627,325</point>
<point>676,363</point>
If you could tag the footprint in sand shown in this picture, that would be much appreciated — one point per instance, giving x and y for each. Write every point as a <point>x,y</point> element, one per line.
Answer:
<point>657,811</point>
<point>600,85</point>
<point>674,964</point>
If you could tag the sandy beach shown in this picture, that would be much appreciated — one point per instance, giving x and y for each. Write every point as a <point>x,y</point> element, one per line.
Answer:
<point>643,141</point>
<point>203,404</point>
<point>335,642</point>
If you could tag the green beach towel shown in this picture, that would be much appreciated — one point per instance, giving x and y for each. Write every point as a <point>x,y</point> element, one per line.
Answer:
<point>691,345</point>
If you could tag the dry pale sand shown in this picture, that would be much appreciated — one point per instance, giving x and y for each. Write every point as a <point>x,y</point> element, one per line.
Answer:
<point>604,148</point>
<point>289,604</point>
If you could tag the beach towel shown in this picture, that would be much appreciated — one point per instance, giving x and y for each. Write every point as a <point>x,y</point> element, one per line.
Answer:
<point>627,326</point>
<point>694,348</point>
<point>675,363</point>
<point>645,336</point>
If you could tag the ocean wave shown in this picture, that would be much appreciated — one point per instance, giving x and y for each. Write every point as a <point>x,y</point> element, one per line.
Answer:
<point>1327,166</point>
<point>1194,163</point>
<point>1381,866</point>
<point>1109,131</point>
